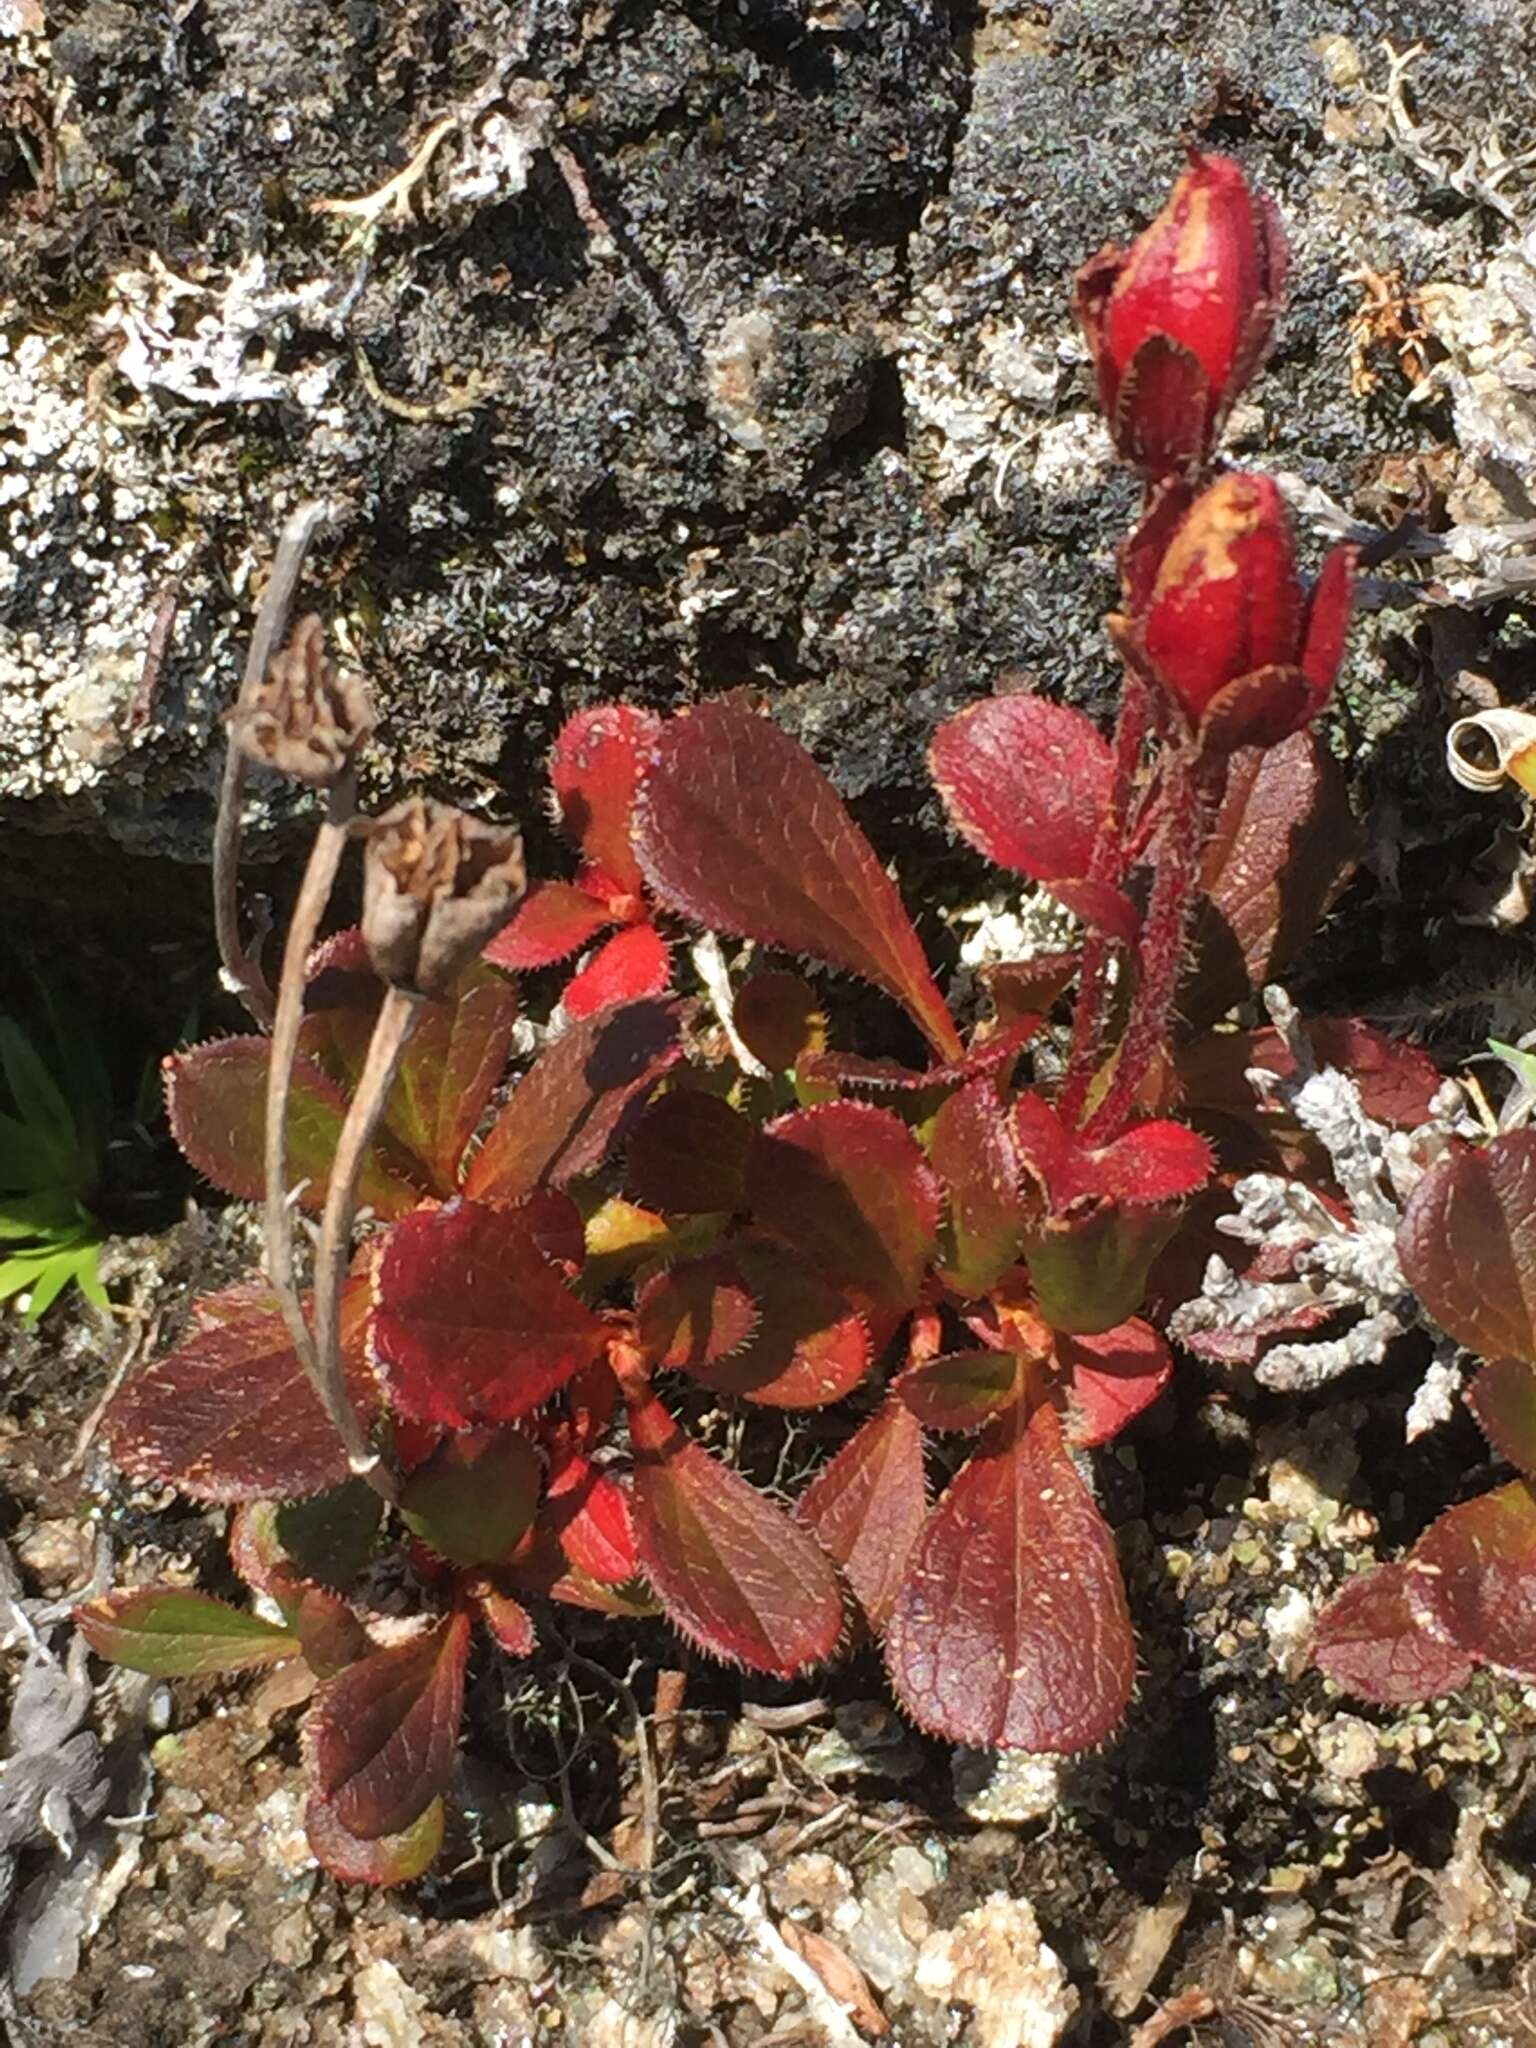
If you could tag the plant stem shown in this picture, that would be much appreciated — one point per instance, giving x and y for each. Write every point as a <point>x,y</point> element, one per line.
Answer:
<point>1106,864</point>
<point>314,894</point>
<point>391,1033</point>
<point>244,974</point>
<point>1180,838</point>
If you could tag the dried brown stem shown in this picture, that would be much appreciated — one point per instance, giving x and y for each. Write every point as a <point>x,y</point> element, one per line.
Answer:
<point>314,894</point>
<point>243,971</point>
<point>397,1018</point>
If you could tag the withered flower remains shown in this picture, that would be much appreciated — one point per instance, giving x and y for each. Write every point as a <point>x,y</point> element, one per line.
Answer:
<point>437,887</point>
<point>303,718</point>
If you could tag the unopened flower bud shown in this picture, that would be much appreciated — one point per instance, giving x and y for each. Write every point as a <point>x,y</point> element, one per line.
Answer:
<point>1223,629</point>
<point>1179,322</point>
<point>302,718</point>
<point>437,887</point>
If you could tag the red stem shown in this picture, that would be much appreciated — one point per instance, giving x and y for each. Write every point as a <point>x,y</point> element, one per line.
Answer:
<point>1161,953</point>
<point>1106,864</point>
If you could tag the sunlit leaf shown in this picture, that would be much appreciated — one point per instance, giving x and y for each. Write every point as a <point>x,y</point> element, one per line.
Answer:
<point>1110,1377</point>
<point>508,1620</point>
<point>552,920</point>
<point>737,828</point>
<point>1396,1081</point>
<point>973,1152</point>
<point>216,1098</point>
<point>754,1320</point>
<point>1010,1630</point>
<point>1472,1578</point>
<point>1155,1161</point>
<point>230,1415</point>
<point>472,1325</point>
<point>868,1507</point>
<point>1468,1245</point>
<point>593,771</point>
<point>588,1510</point>
<point>847,1185</point>
<point>731,1570</point>
<point>962,1390</point>
<point>687,1154</point>
<point>387,1859</point>
<point>562,1115</point>
<point>383,1735</point>
<point>172,1632</point>
<point>633,963</point>
<point>695,1314</point>
<point>1368,1641</point>
<point>1503,1398</point>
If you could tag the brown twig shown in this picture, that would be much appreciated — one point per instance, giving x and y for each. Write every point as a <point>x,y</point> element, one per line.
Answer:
<point>240,966</point>
<point>398,1014</point>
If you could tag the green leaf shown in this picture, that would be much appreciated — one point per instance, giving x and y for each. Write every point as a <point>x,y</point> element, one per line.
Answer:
<point>38,1098</point>
<point>171,1632</point>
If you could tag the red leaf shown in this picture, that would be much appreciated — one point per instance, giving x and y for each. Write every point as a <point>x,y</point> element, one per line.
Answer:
<point>471,1324</point>
<point>1396,1081</point>
<point>1468,1246</point>
<point>972,1150</point>
<point>172,1632</point>
<point>508,1620</point>
<point>552,920</point>
<point>1151,1163</point>
<point>634,963</point>
<point>847,1185</point>
<point>688,1154</point>
<point>963,1390</point>
<point>451,1067</point>
<point>779,1017</point>
<point>695,1314</point>
<point>1368,1641</point>
<point>229,1415</point>
<point>588,1510</point>
<point>1281,848</point>
<point>563,1113</point>
<point>1472,1579</point>
<point>1503,1398</point>
<point>330,1633</point>
<point>384,1734</point>
<point>804,1346</point>
<point>1011,1629</point>
<point>740,830</point>
<point>1112,1377</point>
<point>731,1570</point>
<point>868,1507</point>
<point>1028,782</point>
<point>594,770</point>
<point>391,1859</point>
<point>216,1099</point>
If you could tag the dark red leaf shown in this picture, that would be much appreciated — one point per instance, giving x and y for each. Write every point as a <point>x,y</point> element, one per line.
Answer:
<point>1396,1081</point>
<point>807,1346</point>
<point>869,1504</point>
<point>216,1099</point>
<point>740,830</point>
<point>963,1390</point>
<point>229,1415</point>
<point>634,963</point>
<point>779,1016</point>
<point>695,1314</point>
<point>688,1154</point>
<point>733,1573</point>
<point>1368,1641</point>
<point>1472,1578</point>
<point>331,1635</point>
<point>172,1632</point>
<point>384,1734</point>
<point>594,770</point>
<point>472,1325</point>
<point>1011,1630</point>
<point>475,1496</point>
<point>847,1185</point>
<point>1503,1398</point>
<point>552,920</point>
<point>390,1859</point>
<point>973,1152</point>
<point>1468,1246</point>
<point>1282,846</point>
<point>1110,1379</point>
<point>563,1113</point>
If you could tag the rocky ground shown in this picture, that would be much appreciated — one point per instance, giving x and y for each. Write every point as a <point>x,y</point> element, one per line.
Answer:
<point>648,349</point>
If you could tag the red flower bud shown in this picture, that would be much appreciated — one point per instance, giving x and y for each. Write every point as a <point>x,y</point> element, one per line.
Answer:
<point>1222,627</point>
<point>1179,322</point>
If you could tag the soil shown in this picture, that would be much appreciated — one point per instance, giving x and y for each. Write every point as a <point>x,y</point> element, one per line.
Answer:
<point>716,346</point>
